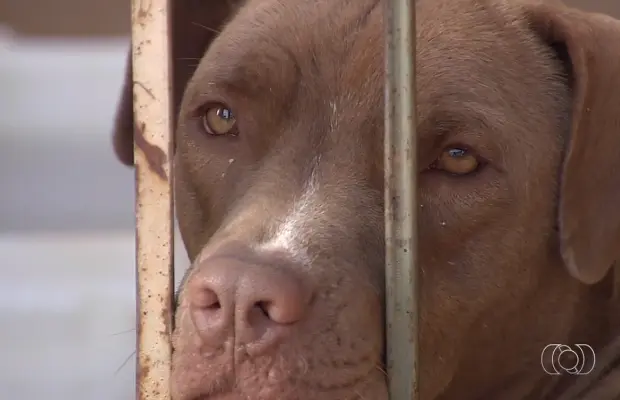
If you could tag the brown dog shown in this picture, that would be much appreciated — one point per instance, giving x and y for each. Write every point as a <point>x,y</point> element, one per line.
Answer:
<point>279,188</point>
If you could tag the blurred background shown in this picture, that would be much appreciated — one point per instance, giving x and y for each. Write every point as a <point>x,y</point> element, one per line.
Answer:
<point>67,289</point>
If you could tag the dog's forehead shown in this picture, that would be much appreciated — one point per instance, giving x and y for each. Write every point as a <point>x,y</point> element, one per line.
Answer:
<point>472,55</point>
<point>322,40</point>
<point>339,41</point>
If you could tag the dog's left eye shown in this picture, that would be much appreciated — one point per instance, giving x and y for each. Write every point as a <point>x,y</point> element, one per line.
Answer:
<point>457,161</point>
<point>219,120</point>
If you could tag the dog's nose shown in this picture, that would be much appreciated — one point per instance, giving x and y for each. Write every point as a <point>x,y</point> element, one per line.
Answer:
<point>258,304</point>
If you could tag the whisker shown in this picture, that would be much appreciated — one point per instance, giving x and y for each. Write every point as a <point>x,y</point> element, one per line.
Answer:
<point>124,363</point>
<point>380,368</point>
<point>206,27</point>
<point>123,332</point>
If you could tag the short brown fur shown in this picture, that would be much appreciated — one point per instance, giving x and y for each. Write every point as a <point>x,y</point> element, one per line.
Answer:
<point>514,257</point>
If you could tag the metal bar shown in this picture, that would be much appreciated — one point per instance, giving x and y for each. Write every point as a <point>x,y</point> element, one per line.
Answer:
<point>401,271</point>
<point>154,208</point>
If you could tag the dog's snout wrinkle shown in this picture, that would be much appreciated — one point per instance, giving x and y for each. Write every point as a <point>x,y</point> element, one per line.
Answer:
<point>256,304</point>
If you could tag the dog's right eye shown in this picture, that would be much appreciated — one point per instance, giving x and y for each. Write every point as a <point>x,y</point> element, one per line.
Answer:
<point>457,161</point>
<point>218,120</point>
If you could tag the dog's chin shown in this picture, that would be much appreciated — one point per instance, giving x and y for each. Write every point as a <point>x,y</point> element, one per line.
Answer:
<point>259,386</point>
<point>373,387</point>
<point>280,376</point>
<point>363,392</point>
<point>376,391</point>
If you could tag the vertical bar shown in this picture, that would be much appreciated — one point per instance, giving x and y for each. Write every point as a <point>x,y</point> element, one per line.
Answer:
<point>154,208</point>
<point>400,202</point>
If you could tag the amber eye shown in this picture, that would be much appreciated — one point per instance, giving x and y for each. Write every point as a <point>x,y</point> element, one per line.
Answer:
<point>219,120</point>
<point>457,161</point>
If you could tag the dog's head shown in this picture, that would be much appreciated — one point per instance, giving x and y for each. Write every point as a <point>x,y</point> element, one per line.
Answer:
<point>279,192</point>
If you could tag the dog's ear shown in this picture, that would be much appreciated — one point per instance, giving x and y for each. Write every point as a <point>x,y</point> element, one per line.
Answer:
<point>195,23</point>
<point>589,198</point>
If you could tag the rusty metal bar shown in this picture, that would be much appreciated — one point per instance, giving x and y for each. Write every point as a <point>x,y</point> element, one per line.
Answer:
<point>154,208</point>
<point>401,270</point>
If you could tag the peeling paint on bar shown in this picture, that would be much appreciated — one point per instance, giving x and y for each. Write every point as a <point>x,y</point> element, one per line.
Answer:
<point>154,211</point>
<point>400,202</point>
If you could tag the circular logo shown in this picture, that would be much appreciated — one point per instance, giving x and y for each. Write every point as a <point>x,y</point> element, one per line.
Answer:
<point>578,359</point>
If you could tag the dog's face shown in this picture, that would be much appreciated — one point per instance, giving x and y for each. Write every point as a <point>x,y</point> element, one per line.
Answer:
<point>279,192</point>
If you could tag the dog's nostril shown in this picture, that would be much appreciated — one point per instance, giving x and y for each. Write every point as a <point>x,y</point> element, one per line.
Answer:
<point>285,304</point>
<point>280,313</point>
<point>209,312</point>
<point>205,298</point>
<point>263,306</point>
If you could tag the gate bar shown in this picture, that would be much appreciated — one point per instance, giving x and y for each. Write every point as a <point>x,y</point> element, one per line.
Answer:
<point>154,201</point>
<point>401,272</point>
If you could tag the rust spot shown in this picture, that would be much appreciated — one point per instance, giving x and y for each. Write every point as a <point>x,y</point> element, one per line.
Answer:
<point>166,317</point>
<point>143,11</point>
<point>139,324</point>
<point>147,90</point>
<point>155,157</point>
<point>144,369</point>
